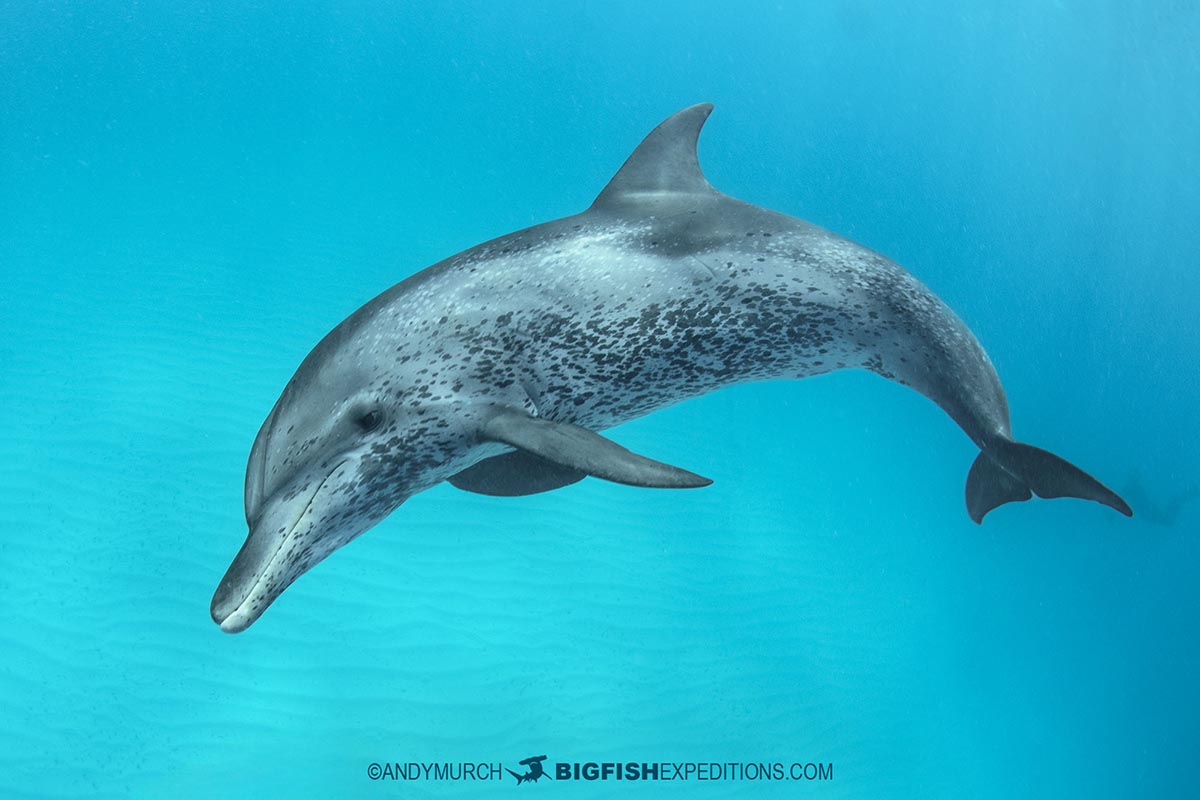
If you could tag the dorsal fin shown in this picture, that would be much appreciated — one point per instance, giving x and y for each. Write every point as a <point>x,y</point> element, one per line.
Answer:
<point>664,163</point>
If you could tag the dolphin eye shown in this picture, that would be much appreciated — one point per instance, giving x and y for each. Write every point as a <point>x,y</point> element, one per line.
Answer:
<point>368,420</point>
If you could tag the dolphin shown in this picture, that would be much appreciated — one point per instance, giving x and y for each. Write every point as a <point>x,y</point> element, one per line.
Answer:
<point>496,368</point>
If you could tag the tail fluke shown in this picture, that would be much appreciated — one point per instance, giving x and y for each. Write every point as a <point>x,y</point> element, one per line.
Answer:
<point>1011,472</point>
<point>520,780</point>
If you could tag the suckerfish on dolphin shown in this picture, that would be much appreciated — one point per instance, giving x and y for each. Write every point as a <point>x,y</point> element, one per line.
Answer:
<point>496,368</point>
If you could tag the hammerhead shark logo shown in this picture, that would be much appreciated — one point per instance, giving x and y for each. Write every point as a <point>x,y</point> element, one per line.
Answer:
<point>535,770</point>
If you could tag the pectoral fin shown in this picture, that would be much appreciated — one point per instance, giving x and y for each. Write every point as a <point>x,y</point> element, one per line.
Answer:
<point>514,475</point>
<point>582,450</point>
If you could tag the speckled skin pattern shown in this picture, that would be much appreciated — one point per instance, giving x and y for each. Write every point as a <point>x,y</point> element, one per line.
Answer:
<point>638,303</point>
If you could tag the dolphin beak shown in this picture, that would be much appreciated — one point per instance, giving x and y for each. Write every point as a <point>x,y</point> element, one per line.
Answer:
<point>243,594</point>
<point>276,552</point>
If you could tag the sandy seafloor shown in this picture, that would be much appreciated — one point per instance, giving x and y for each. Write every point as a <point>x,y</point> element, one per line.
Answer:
<point>190,197</point>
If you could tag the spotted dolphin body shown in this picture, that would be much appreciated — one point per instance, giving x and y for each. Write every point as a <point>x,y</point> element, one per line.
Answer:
<point>495,368</point>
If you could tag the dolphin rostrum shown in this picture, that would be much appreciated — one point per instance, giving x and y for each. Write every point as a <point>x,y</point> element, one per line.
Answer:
<point>496,368</point>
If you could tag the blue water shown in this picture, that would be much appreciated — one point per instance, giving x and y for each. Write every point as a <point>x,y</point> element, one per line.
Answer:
<point>192,194</point>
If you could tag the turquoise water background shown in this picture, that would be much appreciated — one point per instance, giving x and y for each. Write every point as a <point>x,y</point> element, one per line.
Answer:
<point>191,195</point>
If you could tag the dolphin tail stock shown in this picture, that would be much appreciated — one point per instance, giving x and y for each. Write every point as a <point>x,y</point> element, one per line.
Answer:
<point>1010,472</point>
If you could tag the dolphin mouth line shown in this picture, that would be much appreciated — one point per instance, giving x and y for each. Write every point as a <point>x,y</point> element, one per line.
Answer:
<point>270,562</point>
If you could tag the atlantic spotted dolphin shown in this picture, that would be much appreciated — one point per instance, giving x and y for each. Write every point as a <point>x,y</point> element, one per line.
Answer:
<point>496,368</point>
